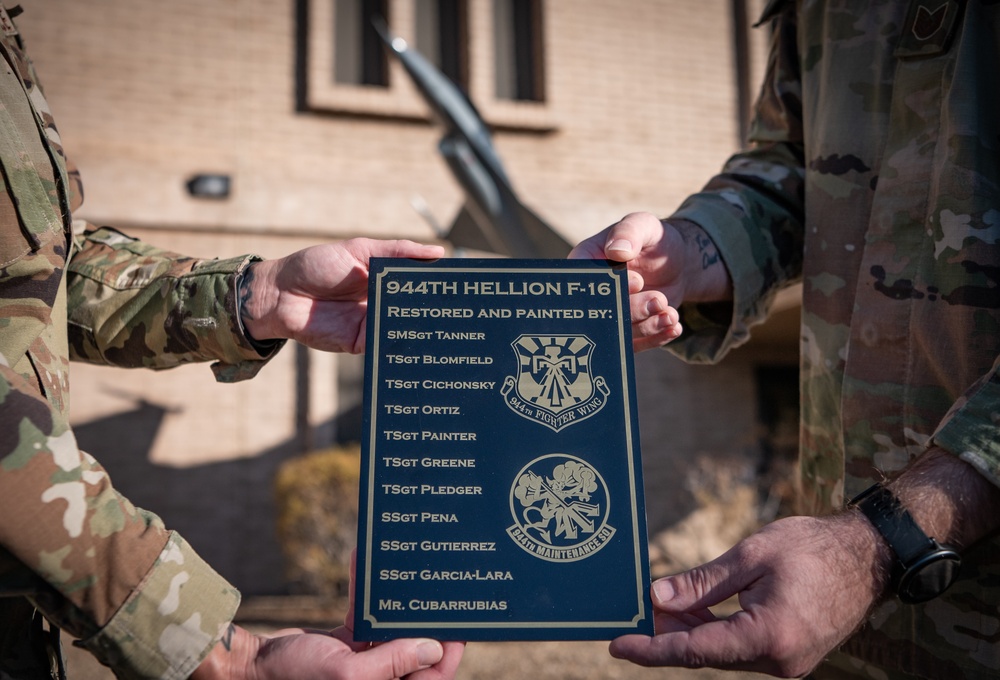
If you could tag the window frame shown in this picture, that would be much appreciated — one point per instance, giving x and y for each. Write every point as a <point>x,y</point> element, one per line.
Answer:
<point>400,100</point>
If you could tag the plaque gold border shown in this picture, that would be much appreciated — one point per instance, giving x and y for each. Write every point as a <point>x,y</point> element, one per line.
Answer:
<point>628,407</point>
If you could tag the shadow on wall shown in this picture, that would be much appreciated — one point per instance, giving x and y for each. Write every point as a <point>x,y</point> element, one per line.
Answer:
<point>225,510</point>
<point>701,447</point>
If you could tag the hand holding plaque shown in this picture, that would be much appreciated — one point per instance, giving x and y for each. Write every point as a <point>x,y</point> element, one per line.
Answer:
<point>501,487</point>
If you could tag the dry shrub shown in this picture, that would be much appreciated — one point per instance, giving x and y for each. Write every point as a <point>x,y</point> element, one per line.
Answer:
<point>317,507</point>
<point>728,510</point>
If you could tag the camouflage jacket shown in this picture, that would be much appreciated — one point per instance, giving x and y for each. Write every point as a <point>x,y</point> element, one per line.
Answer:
<point>136,595</point>
<point>874,179</point>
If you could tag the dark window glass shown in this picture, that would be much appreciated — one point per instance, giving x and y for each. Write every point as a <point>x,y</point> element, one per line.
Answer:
<point>359,57</point>
<point>441,36</point>
<point>519,55</point>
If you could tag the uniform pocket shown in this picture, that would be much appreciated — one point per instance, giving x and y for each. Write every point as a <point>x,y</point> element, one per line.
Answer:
<point>15,240</point>
<point>30,209</point>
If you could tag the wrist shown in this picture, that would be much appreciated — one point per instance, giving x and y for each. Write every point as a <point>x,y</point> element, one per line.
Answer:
<point>861,542</point>
<point>706,276</point>
<point>252,305</point>
<point>948,498</point>
<point>231,658</point>
<point>921,567</point>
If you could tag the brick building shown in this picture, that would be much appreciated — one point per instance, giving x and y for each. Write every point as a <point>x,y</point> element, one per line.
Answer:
<point>623,106</point>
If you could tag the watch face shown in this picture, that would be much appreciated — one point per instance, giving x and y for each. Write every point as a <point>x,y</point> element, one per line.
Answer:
<point>929,577</point>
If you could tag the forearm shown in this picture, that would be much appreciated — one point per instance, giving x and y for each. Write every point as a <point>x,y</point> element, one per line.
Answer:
<point>753,212</point>
<point>953,489</point>
<point>949,499</point>
<point>105,570</point>
<point>946,497</point>
<point>752,215</point>
<point>134,305</point>
<point>56,500</point>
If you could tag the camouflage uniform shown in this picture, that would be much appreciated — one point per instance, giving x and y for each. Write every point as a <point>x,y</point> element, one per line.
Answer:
<point>873,179</point>
<point>71,547</point>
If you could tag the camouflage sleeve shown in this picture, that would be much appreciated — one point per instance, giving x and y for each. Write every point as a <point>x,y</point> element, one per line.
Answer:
<point>753,211</point>
<point>134,305</point>
<point>105,571</point>
<point>971,429</point>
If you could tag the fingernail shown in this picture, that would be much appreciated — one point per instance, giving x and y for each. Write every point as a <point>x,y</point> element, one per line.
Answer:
<point>621,245</point>
<point>429,652</point>
<point>654,307</point>
<point>663,591</point>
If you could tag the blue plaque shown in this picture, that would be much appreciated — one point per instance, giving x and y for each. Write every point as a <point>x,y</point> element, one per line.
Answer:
<point>501,485</point>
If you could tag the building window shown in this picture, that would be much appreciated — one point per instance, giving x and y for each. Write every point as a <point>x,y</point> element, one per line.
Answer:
<point>492,49</point>
<point>778,415</point>
<point>442,37</point>
<point>358,55</point>
<point>517,39</point>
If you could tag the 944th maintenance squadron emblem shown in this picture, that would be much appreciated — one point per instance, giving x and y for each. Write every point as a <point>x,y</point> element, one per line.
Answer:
<point>560,509</point>
<point>554,385</point>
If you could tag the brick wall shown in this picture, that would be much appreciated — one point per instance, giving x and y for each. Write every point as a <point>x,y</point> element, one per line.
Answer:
<point>147,93</point>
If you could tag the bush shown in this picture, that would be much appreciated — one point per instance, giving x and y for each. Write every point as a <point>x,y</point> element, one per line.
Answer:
<point>317,507</point>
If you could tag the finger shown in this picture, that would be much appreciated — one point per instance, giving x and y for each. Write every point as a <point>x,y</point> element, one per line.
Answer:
<point>736,643</point>
<point>668,649</point>
<point>658,650</point>
<point>645,340</point>
<point>590,249</point>
<point>635,282</point>
<point>654,322</point>
<point>648,304</point>
<point>447,667</point>
<point>680,621</point>
<point>285,632</point>
<point>398,658</point>
<point>707,585</point>
<point>626,239</point>
<point>424,251</point>
<point>363,248</point>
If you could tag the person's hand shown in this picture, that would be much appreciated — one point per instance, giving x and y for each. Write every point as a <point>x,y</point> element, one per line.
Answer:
<point>295,654</point>
<point>447,667</point>
<point>298,654</point>
<point>318,296</point>
<point>651,250</point>
<point>444,669</point>
<point>669,263</point>
<point>804,585</point>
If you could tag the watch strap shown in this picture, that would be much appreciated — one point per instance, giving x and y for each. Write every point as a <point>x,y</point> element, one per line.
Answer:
<point>904,536</point>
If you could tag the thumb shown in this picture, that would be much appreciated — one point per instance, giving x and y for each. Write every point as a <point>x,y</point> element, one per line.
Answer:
<point>626,239</point>
<point>699,588</point>
<point>398,658</point>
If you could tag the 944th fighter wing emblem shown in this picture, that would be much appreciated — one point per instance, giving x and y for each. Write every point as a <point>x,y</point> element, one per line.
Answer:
<point>554,385</point>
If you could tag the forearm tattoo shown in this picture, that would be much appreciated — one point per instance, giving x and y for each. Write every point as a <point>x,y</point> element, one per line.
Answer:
<point>245,292</point>
<point>709,254</point>
<point>227,637</point>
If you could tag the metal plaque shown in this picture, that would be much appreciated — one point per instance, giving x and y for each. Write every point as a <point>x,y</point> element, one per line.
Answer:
<point>501,485</point>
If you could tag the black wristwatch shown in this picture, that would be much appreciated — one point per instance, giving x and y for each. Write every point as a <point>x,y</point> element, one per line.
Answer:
<point>923,568</point>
